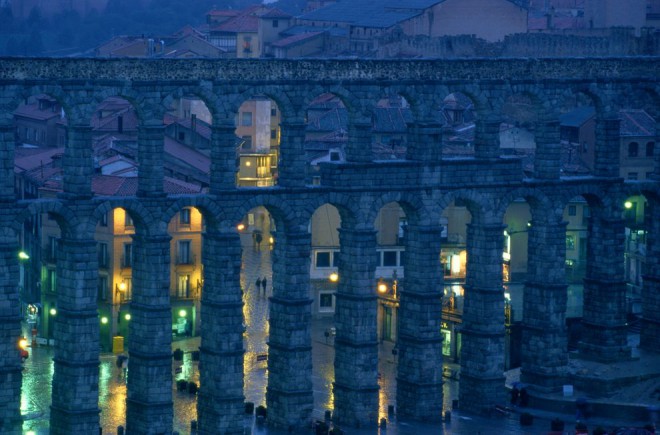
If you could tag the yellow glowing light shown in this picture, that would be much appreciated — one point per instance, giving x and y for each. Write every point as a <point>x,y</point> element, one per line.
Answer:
<point>240,227</point>
<point>271,240</point>
<point>23,255</point>
<point>104,320</point>
<point>53,311</point>
<point>22,343</point>
<point>248,163</point>
<point>627,204</point>
<point>382,288</point>
<point>182,313</point>
<point>334,277</point>
<point>127,316</point>
<point>122,286</point>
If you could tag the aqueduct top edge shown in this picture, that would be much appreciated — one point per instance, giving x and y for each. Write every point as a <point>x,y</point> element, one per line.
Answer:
<point>272,70</point>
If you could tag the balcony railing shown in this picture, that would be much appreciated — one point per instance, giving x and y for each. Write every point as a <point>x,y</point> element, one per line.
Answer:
<point>185,259</point>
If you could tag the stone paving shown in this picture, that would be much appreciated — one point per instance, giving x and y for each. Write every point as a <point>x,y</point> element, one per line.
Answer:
<point>38,370</point>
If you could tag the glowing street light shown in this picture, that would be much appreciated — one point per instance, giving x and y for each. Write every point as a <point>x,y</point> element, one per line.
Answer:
<point>628,205</point>
<point>104,320</point>
<point>127,316</point>
<point>240,227</point>
<point>382,288</point>
<point>53,311</point>
<point>22,255</point>
<point>182,313</point>
<point>334,277</point>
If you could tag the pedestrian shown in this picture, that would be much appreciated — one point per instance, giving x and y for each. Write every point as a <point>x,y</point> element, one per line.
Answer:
<point>515,393</point>
<point>582,409</point>
<point>524,397</point>
<point>258,284</point>
<point>258,238</point>
<point>264,283</point>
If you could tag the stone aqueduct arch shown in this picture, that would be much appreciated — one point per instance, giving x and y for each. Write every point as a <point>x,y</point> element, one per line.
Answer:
<point>424,184</point>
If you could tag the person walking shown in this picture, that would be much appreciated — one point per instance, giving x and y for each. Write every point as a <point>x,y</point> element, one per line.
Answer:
<point>264,283</point>
<point>514,395</point>
<point>258,285</point>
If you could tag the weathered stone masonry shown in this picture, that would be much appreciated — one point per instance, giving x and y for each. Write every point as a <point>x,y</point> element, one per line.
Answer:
<point>424,184</point>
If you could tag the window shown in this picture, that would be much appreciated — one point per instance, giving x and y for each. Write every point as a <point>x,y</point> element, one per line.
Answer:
<point>182,136</point>
<point>103,255</point>
<point>184,216</point>
<point>246,119</point>
<point>247,44</point>
<point>276,23</point>
<point>103,288</point>
<point>572,210</point>
<point>632,175</point>
<point>184,256</point>
<point>326,302</point>
<point>247,143</point>
<point>273,112</point>
<point>127,294</point>
<point>51,280</point>
<point>127,257</point>
<point>273,134</point>
<point>52,248</point>
<point>322,259</point>
<point>183,286</point>
<point>104,220</point>
<point>649,149</point>
<point>389,259</point>
<point>128,220</point>
<point>334,156</point>
<point>570,242</point>
<point>633,149</point>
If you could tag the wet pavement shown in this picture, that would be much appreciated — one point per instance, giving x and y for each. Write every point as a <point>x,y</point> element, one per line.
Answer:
<point>38,371</point>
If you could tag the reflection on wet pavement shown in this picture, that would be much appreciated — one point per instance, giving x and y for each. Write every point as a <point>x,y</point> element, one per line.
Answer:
<point>38,371</point>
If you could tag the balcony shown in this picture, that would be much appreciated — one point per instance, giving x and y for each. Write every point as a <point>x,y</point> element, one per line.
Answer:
<point>49,256</point>
<point>126,261</point>
<point>186,259</point>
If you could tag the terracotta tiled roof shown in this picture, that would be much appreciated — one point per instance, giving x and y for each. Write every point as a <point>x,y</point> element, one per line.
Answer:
<point>295,39</point>
<point>240,24</point>
<point>27,159</point>
<point>33,111</point>
<point>201,127</point>
<point>636,123</point>
<point>276,13</point>
<point>109,185</point>
<point>188,155</point>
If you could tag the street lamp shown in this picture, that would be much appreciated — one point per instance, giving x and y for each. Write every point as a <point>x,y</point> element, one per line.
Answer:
<point>22,255</point>
<point>334,277</point>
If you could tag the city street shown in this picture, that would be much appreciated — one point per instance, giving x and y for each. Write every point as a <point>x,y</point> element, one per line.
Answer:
<point>38,370</point>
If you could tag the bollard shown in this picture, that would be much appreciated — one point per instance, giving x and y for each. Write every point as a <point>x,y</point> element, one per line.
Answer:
<point>120,430</point>
<point>383,423</point>
<point>447,416</point>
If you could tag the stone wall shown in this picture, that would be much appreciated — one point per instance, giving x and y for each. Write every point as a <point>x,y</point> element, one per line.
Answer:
<point>424,185</point>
